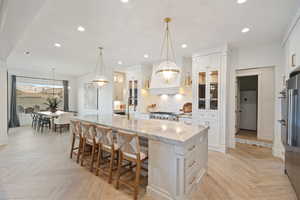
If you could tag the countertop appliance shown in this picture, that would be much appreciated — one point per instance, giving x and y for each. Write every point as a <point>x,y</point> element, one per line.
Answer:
<point>290,129</point>
<point>164,116</point>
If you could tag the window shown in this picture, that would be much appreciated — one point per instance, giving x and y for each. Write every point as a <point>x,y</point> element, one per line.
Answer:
<point>32,93</point>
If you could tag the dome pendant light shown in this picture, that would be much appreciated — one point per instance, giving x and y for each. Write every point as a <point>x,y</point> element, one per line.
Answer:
<point>167,69</point>
<point>100,80</point>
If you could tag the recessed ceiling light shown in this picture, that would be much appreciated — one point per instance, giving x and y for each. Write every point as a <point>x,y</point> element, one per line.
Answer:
<point>241,1</point>
<point>245,30</point>
<point>27,52</point>
<point>124,1</point>
<point>184,46</point>
<point>80,28</point>
<point>57,45</point>
<point>120,62</point>
<point>146,56</point>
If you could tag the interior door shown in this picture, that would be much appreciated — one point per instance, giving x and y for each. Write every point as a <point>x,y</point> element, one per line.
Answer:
<point>237,105</point>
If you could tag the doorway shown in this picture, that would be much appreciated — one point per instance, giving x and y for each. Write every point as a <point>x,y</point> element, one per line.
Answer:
<point>248,105</point>
<point>254,106</point>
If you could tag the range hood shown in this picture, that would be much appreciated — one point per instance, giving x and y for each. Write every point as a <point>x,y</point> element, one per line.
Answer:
<point>159,86</point>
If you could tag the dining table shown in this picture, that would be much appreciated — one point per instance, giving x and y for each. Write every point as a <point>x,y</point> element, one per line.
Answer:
<point>52,116</point>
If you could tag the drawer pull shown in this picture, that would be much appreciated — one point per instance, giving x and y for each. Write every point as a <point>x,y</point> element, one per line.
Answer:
<point>192,181</point>
<point>192,148</point>
<point>192,164</point>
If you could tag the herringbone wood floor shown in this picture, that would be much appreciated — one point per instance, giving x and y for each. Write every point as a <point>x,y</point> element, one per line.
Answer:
<point>36,166</point>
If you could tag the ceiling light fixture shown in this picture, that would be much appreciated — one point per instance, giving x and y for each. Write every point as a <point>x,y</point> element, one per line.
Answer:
<point>184,46</point>
<point>167,69</point>
<point>80,29</point>
<point>245,30</point>
<point>120,62</point>
<point>27,52</point>
<point>100,80</point>
<point>241,1</point>
<point>146,56</point>
<point>57,45</point>
<point>124,1</point>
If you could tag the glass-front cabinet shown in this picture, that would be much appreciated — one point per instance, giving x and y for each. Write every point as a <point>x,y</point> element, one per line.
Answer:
<point>213,90</point>
<point>208,90</point>
<point>202,90</point>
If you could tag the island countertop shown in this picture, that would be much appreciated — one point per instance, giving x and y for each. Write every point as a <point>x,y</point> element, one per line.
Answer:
<point>166,131</point>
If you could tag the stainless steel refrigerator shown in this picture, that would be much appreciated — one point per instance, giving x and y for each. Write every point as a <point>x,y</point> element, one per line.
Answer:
<point>290,125</point>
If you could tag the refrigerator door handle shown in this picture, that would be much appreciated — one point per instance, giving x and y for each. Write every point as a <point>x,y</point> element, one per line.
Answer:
<point>290,117</point>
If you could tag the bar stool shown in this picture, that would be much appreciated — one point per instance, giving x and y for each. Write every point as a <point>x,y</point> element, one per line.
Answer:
<point>130,150</point>
<point>106,145</point>
<point>90,140</point>
<point>76,136</point>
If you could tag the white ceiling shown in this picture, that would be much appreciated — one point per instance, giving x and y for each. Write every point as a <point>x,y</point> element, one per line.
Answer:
<point>128,31</point>
<point>15,15</point>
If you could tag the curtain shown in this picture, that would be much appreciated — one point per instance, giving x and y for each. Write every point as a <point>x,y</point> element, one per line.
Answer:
<point>66,95</point>
<point>14,119</point>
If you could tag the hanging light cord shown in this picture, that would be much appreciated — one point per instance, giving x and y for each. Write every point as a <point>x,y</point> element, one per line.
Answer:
<point>99,67</point>
<point>167,40</point>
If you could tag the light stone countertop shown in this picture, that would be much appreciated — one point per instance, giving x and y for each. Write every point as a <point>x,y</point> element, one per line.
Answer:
<point>166,131</point>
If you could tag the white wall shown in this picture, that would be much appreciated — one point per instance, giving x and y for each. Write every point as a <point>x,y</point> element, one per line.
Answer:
<point>3,103</point>
<point>255,57</point>
<point>105,95</point>
<point>72,82</point>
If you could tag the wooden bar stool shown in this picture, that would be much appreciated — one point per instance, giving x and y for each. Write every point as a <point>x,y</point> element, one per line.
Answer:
<point>76,136</point>
<point>130,150</point>
<point>106,145</point>
<point>89,144</point>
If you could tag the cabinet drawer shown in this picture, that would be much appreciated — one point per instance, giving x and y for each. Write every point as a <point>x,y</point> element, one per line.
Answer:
<point>191,181</point>
<point>192,161</point>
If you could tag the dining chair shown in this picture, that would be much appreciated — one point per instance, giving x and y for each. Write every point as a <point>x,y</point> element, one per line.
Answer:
<point>43,121</point>
<point>130,150</point>
<point>107,145</point>
<point>63,121</point>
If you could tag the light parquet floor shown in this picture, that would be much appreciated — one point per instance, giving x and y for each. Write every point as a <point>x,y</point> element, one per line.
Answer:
<point>36,166</point>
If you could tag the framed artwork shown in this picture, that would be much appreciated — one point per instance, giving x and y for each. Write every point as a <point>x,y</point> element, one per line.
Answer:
<point>90,97</point>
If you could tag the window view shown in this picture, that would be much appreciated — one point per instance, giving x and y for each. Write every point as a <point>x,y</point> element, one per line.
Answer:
<point>32,95</point>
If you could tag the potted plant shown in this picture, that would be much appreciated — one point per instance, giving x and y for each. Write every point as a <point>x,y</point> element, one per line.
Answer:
<point>52,103</point>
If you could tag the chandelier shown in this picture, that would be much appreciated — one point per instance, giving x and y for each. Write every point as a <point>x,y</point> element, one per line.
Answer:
<point>100,80</point>
<point>167,69</point>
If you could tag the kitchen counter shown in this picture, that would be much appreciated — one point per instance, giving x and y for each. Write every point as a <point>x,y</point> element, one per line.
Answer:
<point>177,153</point>
<point>163,130</point>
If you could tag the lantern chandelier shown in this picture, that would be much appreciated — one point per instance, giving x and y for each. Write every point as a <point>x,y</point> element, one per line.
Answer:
<point>100,80</point>
<point>167,69</point>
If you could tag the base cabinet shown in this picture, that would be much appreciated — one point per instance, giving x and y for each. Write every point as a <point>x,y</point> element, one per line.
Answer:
<point>175,170</point>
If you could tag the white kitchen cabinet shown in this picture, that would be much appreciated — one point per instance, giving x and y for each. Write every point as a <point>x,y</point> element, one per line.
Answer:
<point>209,94</point>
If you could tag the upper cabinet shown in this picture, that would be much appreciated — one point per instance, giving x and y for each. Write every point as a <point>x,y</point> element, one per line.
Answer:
<point>207,70</point>
<point>292,49</point>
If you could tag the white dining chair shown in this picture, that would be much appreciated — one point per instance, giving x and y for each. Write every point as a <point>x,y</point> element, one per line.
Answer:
<point>63,121</point>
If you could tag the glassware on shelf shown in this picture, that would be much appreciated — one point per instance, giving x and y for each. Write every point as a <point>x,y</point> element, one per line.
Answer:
<point>214,77</point>
<point>202,90</point>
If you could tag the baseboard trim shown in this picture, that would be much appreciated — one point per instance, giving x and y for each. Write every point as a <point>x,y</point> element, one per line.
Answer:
<point>221,149</point>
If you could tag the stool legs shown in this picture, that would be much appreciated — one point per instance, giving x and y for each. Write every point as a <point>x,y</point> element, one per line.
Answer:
<point>93,157</point>
<point>72,146</point>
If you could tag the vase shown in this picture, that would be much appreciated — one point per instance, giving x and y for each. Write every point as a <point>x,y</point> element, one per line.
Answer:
<point>53,110</point>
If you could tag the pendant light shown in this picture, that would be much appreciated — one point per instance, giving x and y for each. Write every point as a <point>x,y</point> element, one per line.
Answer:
<point>100,80</point>
<point>167,69</point>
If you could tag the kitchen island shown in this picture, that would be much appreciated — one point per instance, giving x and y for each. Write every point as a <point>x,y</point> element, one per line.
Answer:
<point>177,153</point>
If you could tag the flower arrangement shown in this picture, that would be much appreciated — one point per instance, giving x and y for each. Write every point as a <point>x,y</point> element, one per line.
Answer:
<point>52,103</point>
